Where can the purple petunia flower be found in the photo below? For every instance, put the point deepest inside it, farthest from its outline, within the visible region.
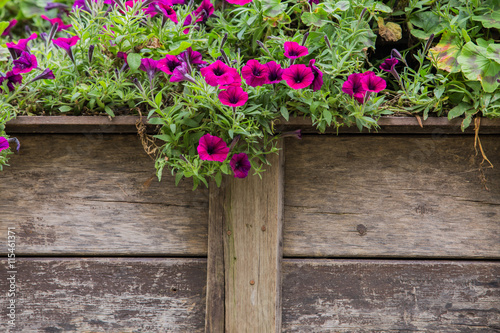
(389, 64)
(25, 63)
(57, 20)
(45, 75)
(294, 50)
(240, 165)
(254, 73)
(293, 134)
(205, 9)
(12, 23)
(212, 148)
(169, 63)
(354, 87)
(298, 76)
(218, 73)
(166, 10)
(372, 82)
(182, 73)
(275, 74)
(318, 76)
(66, 44)
(11, 80)
(233, 96)
(4, 143)
(191, 57)
(22, 45)
(56, 5)
(151, 67)
(80, 4)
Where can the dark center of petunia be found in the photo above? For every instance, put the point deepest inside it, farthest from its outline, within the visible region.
(256, 71)
(273, 76)
(357, 87)
(172, 65)
(233, 99)
(210, 150)
(218, 71)
(298, 78)
(237, 165)
(293, 53)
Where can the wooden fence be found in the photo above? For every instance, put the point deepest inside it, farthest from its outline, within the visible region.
(351, 233)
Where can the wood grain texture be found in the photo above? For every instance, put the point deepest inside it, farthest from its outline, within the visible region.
(252, 251)
(390, 296)
(107, 295)
(391, 196)
(215, 309)
(88, 195)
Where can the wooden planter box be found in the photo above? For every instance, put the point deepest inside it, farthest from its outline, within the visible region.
(388, 231)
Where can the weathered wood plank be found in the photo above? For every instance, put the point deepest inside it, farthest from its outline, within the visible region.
(391, 196)
(107, 295)
(215, 309)
(89, 194)
(252, 250)
(390, 296)
(126, 124)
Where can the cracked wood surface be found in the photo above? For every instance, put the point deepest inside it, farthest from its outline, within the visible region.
(367, 296)
(391, 196)
(107, 295)
(90, 195)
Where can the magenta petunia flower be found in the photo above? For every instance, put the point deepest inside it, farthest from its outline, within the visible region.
(372, 82)
(298, 76)
(236, 82)
(240, 165)
(25, 63)
(166, 10)
(187, 21)
(12, 23)
(169, 63)
(294, 50)
(205, 9)
(182, 73)
(57, 20)
(45, 75)
(218, 73)
(66, 44)
(389, 64)
(12, 79)
(212, 148)
(22, 45)
(4, 143)
(254, 73)
(354, 87)
(239, 2)
(318, 76)
(275, 74)
(233, 96)
(80, 4)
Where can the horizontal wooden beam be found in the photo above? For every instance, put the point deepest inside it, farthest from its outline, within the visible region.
(127, 124)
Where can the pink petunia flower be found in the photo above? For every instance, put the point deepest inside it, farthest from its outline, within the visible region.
(12, 23)
(4, 143)
(372, 82)
(212, 148)
(298, 76)
(254, 73)
(205, 9)
(236, 79)
(354, 87)
(25, 63)
(22, 45)
(218, 73)
(191, 57)
(57, 20)
(389, 64)
(169, 63)
(294, 50)
(318, 76)
(12, 79)
(275, 74)
(233, 96)
(182, 73)
(47, 74)
(239, 2)
(240, 165)
(66, 44)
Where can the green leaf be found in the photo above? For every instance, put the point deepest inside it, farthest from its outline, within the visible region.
(178, 177)
(493, 52)
(380, 7)
(284, 112)
(158, 98)
(476, 66)
(156, 121)
(177, 48)
(273, 8)
(317, 18)
(458, 110)
(429, 22)
(447, 51)
(3, 26)
(3, 3)
(65, 108)
(489, 20)
(134, 61)
(109, 111)
(218, 178)
(328, 117)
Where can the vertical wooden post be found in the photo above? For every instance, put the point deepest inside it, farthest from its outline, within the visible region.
(245, 252)
(253, 251)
